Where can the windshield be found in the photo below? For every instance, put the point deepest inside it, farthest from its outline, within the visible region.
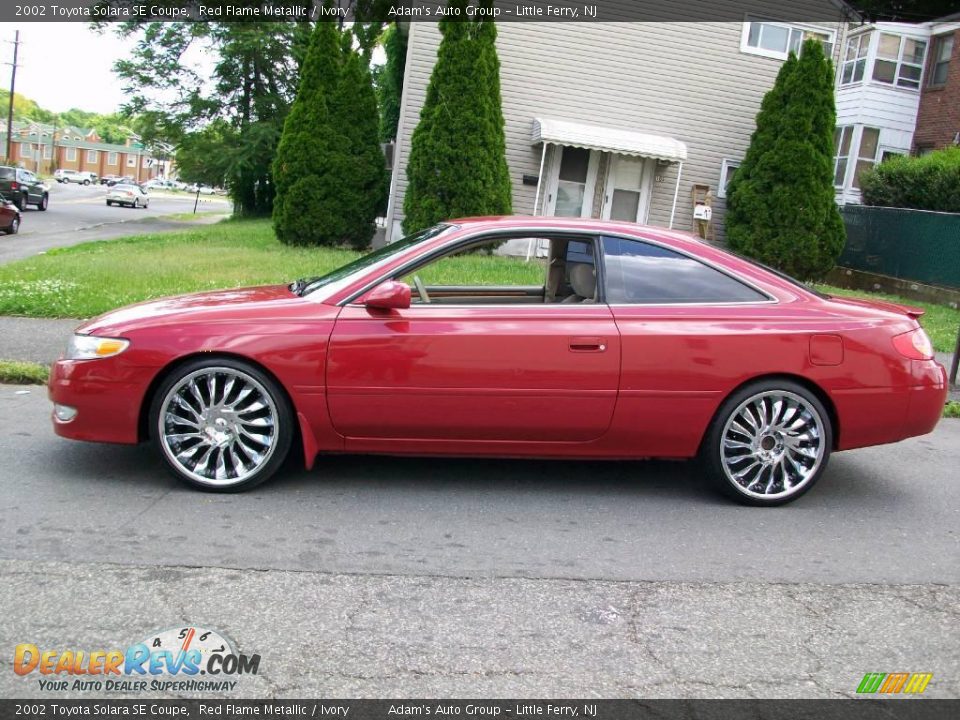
(370, 259)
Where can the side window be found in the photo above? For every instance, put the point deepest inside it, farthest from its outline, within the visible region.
(495, 271)
(642, 273)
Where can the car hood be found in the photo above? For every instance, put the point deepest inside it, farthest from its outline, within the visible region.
(222, 304)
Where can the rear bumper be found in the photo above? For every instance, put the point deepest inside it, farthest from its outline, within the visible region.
(874, 416)
(926, 398)
(106, 398)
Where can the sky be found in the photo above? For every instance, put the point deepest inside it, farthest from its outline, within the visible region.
(67, 65)
(64, 65)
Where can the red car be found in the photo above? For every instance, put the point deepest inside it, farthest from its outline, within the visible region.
(510, 337)
(9, 217)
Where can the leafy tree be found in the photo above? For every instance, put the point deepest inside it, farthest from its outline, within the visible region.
(781, 207)
(929, 182)
(457, 163)
(253, 81)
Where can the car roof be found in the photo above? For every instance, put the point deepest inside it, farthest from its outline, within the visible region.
(589, 225)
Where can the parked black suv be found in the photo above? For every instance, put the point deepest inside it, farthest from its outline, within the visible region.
(22, 188)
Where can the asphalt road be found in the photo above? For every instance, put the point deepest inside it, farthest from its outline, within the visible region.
(79, 213)
(407, 577)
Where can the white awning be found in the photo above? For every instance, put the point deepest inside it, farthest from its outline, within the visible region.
(615, 140)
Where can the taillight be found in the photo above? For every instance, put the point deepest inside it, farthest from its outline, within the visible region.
(13, 186)
(914, 345)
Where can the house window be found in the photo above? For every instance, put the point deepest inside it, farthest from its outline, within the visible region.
(899, 61)
(71, 154)
(778, 40)
(887, 154)
(26, 150)
(47, 152)
(112, 159)
(131, 160)
(841, 138)
(942, 50)
(867, 156)
(91, 156)
(855, 59)
(727, 171)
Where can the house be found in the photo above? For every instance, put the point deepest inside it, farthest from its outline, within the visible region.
(938, 120)
(898, 93)
(632, 121)
(43, 148)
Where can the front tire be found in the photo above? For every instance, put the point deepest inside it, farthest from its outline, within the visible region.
(14, 227)
(44, 202)
(86, 182)
(768, 444)
(221, 425)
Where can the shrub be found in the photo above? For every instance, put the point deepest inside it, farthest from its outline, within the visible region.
(929, 182)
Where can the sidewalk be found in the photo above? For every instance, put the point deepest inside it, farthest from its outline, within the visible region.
(42, 340)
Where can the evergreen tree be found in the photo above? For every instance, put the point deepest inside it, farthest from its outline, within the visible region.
(457, 163)
(364, 181)
(330, 177)
(390, 86)
(781, 207)
(306, 209)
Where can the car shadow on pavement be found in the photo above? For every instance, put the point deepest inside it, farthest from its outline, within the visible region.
(845, 483)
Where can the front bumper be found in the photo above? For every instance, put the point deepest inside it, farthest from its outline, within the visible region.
(106, 395)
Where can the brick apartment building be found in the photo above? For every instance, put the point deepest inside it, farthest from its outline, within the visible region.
(42, 149)
(938, 119)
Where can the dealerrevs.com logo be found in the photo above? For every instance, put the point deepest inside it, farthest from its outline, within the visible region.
(189, 659)
(894, 683)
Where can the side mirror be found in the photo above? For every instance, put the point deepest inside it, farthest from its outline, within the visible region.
(391, 295)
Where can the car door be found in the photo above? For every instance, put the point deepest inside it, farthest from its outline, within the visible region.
(509, 370)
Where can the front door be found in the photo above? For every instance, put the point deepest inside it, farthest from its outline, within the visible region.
(573, 183)
(491, 349)
(629, 182)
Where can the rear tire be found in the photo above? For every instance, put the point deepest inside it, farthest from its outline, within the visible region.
(86, 182)
(221, 425)
(109, 203)
(768, 444)
(21, 202)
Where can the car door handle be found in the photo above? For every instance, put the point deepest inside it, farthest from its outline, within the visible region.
(588, 344)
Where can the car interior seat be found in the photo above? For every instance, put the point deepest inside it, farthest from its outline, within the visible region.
(583, 281)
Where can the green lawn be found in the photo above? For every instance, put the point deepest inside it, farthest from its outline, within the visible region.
(14, 372)
(88, 279)
(92, 278)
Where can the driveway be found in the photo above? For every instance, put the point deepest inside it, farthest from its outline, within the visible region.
(463, 578)
(79, 213)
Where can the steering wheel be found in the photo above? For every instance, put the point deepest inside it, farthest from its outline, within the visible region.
(424, 298)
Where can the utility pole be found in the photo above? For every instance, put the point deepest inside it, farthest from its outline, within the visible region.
(13, 84)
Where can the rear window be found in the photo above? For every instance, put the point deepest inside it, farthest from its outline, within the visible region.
(7, 173)
(642, 273)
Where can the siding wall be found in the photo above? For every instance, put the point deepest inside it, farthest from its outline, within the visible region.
(686, 80)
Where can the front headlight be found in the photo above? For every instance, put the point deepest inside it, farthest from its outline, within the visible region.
(89, 347)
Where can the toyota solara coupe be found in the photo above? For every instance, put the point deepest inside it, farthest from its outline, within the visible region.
(510, 337)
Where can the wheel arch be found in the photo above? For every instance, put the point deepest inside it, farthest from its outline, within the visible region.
(143, 418)
(805, 382)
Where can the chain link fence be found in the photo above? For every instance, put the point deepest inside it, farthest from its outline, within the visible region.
(913, 245)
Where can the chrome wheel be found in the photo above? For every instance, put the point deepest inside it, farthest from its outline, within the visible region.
(772, 445)
(218, 426)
